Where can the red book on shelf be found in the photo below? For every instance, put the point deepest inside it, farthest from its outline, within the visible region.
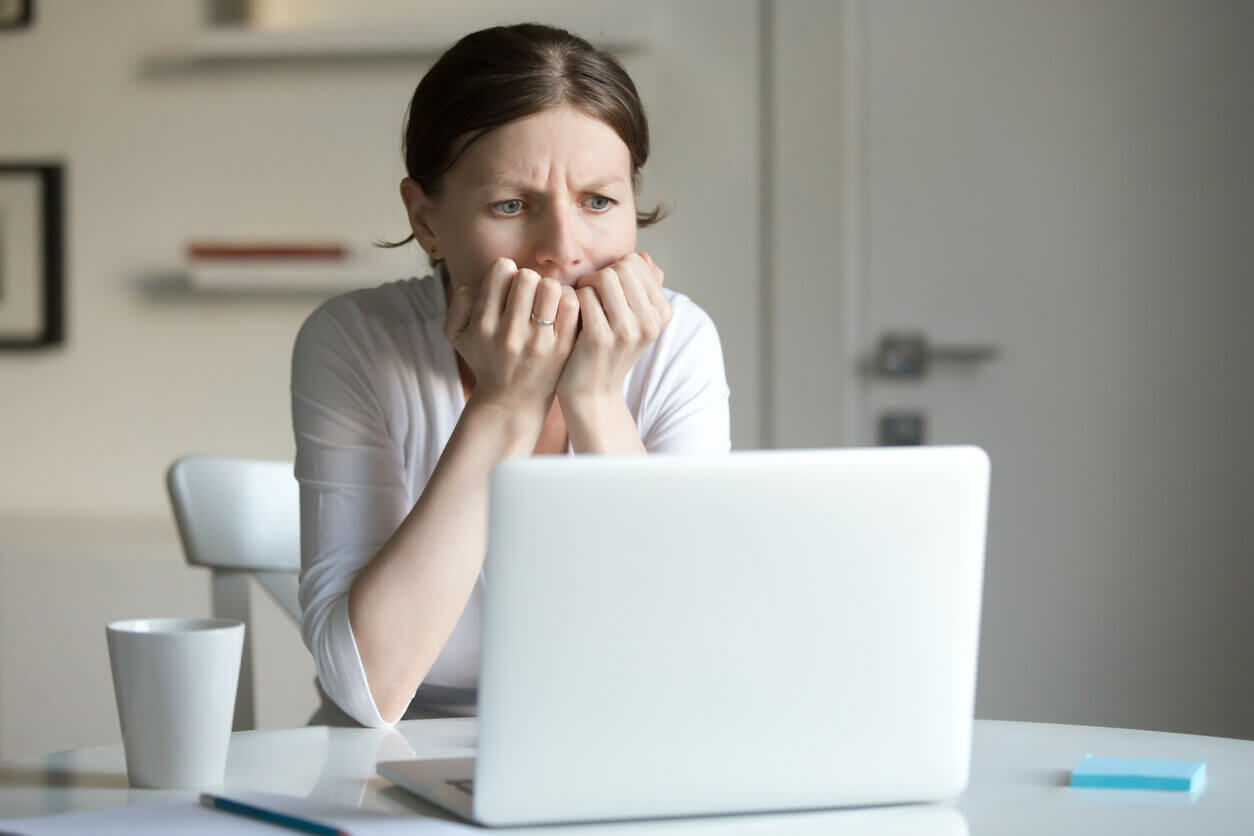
(212, 250)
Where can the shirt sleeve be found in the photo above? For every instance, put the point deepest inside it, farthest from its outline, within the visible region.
(352, 491)
(684, 407)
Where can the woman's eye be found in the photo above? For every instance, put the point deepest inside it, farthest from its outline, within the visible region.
(508, 207)
(599, 203)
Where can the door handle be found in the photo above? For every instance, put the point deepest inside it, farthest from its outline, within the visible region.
(911, 355)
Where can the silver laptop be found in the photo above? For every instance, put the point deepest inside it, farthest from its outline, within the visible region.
(684, 635)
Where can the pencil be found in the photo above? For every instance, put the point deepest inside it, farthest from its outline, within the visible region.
(239, 808)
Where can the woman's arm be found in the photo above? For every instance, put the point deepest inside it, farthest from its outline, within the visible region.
(405, 603)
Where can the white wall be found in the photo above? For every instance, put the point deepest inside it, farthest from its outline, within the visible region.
(810, 238)
(89, 428)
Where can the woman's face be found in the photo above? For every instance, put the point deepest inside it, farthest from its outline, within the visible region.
(551, 191)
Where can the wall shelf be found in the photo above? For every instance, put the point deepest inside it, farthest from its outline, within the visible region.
(623, 31)
(227, 268)
(176, 286)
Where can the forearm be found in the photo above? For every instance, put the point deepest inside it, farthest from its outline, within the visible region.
(406, 602)
(602, 425)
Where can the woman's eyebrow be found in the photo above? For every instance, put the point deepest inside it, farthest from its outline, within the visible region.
(602, 183)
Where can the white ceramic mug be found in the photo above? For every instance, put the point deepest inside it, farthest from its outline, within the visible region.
(175, 681)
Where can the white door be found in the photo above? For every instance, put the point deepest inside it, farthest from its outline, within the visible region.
(1070, 182)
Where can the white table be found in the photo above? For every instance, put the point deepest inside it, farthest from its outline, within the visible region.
(1018, 782)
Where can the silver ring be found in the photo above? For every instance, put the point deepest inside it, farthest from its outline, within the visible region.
(538, 321)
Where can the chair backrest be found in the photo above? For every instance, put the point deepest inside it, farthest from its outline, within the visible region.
(240, 518)
(237, 513)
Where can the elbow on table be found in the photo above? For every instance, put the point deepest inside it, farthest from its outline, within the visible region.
(341, 674)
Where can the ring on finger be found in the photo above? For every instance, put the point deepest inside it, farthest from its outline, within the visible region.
(538, 321)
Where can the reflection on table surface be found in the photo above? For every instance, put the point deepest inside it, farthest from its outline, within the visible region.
(335, 764)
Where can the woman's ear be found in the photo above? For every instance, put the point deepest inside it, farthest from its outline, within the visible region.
(418, 208)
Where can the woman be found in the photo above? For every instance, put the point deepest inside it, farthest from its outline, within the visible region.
(542, 330)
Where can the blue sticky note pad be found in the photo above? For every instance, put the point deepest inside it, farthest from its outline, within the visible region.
(1139, 774)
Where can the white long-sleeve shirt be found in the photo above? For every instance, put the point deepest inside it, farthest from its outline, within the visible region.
(376, 395)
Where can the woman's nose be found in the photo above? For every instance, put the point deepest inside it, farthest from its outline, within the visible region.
(557, 246)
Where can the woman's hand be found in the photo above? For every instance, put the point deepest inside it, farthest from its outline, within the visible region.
(515, 359)
(623, 311)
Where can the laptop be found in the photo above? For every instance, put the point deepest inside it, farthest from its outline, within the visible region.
(698, 635)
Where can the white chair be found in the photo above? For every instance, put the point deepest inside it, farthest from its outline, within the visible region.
(240, 517)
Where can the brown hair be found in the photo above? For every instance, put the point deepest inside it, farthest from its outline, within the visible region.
(494, 76)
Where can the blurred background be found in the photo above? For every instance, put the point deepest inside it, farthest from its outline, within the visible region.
(1020, 224)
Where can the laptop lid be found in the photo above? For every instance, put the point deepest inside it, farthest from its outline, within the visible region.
(768, 630)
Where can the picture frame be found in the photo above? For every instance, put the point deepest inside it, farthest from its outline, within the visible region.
(16, 14)
(31, 255)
